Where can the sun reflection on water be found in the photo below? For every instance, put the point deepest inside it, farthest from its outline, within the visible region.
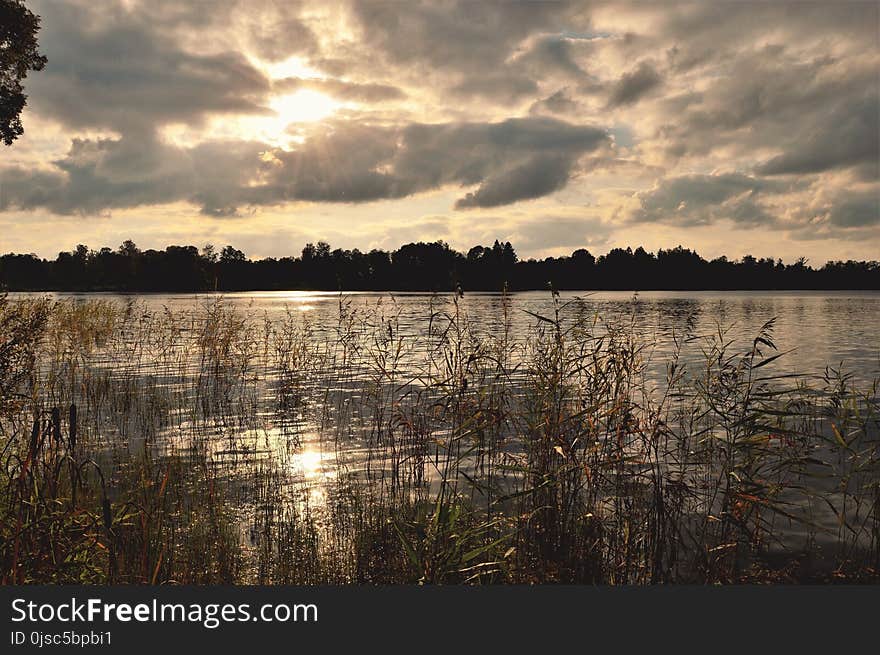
(311, 463)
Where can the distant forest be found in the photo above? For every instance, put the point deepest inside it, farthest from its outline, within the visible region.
(415, 267)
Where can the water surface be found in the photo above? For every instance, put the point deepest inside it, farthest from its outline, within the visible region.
(815, 328)
(325, 385)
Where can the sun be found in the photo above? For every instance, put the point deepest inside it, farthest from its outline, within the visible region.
(303, 106)
(278, 127)
(283, 112)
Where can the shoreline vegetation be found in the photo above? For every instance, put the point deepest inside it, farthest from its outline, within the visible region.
(417, 267)
(154, 447)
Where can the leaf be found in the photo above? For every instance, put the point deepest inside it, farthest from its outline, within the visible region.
(540, 318)
(476, 552)
(838, 437)
(407, 546)
(764, 362)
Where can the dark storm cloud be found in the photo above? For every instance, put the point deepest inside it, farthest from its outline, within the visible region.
(552, 54)
(699, 34)
(817, 112)
(501, 88)
(492, 153)
(274, 30)
(23, 188)
(634, 85)
(856, 210)
(510, 160)
(339, 166)
(847, 136)
(495, 51)
(115, 71)
(103, 174)
(533, 178)
(560, 102)
(788, 91)
(704, 199)
(460, 36)
(353, 163)
(850, 214)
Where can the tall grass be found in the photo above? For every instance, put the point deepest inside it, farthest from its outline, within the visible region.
(220, 445)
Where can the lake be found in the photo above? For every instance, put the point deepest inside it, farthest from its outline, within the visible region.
(816, 328)
(411, 395)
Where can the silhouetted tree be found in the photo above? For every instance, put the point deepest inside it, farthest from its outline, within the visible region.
(417, 267)
(209, 253)
(18, 56)
(425, 267)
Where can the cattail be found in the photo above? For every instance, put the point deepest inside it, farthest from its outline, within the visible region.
(56, 425)
(35, 439)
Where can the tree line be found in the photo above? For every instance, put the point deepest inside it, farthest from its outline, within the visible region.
(415, 267)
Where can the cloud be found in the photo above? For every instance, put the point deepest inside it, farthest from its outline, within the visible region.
(104, 174)
(498, 52)
(560, 102)
(847, 136)
(634, 85)
(356, 163)
(552, 54)
(279, 33)
(812, 113)
(533, 178)
(460, 36)
(120, 73)
(340, 89)
(548, 232)
(465, 105)
(502, 87)
(704, 199)
(349, 163)
(857, 210)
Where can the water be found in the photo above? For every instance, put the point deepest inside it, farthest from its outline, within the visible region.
(815, 328)
(316, 382)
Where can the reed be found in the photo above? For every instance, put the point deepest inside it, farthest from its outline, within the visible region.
(219, 445)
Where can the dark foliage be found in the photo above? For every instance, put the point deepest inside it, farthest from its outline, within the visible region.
(416, 267)
(18, 55)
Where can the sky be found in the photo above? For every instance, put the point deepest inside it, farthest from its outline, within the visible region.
(730, 128)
